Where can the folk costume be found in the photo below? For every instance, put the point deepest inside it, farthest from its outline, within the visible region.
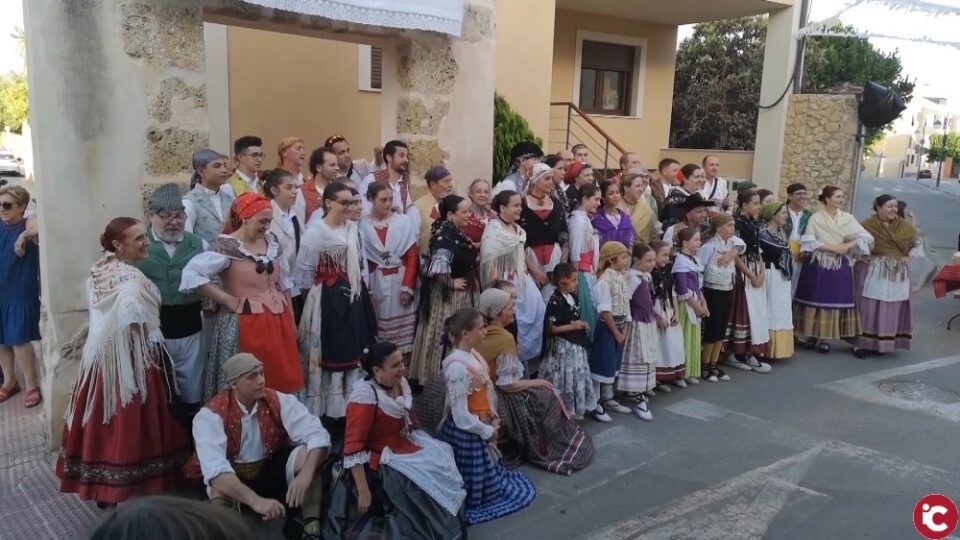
(642, 217)
(718, 285)
(638, 372)
(611, 295)
(207, 211)
(671, 358)
(429, 212)
(452, 256)
(615, 227)
(585, 254)
(545, 223)
(477, 222)
(749, 329)
(882, 285)
(119, 439)
(492, 490)
(687, 275)
(417, 491)
(390, 255)
(329, 267)
(566, 356)
(778, 260)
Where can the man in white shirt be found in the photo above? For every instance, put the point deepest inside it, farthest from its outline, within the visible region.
(396, 175)
(259, 447)
(794, 228)
(354, 169)
(715, 189)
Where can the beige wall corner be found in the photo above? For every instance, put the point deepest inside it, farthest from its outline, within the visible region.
(779, 58)
(118, 99)
(217, 49)
(819, 147)
(524, 59)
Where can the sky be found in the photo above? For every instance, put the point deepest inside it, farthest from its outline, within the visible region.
(933, 66)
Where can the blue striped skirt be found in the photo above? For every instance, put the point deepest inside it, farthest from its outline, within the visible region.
(492, 490)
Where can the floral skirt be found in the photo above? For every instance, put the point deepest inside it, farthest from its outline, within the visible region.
(140, 451)
(567, 366)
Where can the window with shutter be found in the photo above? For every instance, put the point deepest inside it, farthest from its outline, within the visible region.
(607, 75)
(376, 68)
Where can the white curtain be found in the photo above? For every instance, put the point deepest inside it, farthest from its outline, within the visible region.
(443, 16)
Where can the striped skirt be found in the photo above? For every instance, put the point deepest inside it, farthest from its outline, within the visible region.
(638, 372)
(492, 490)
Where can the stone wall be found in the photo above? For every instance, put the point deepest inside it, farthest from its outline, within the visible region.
(819, 146)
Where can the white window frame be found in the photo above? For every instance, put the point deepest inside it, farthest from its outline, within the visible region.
(639, 69)
(363, 72)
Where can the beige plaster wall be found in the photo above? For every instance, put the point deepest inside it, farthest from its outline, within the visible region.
(287, 84)
(819, 147)
(646, 134)
(733, 163)
(524, 59)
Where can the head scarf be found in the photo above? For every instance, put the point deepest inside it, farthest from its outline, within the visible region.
(201, 158)
(770, 209)
(239, 365)
(285, 143)
(720, 220)
(436, 173)
(539, 170)
(573, 171)
(608, 252)
(250, 204)
(492, 302)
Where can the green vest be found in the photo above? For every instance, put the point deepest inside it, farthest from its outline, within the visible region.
(165, 271)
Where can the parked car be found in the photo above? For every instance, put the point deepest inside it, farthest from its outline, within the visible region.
(925, 173)
(10, 165)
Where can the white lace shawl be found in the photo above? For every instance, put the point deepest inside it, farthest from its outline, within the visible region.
(123, 338)
(341, 244)
(400, 237)
(502, 253)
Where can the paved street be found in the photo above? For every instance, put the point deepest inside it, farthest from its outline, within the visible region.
(826, 446)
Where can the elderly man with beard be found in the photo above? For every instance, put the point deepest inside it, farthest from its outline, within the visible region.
(171, 247)
(440, 183)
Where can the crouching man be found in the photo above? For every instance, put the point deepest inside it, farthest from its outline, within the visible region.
(259, 447)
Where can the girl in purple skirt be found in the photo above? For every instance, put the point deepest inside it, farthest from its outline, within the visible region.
(824, 306)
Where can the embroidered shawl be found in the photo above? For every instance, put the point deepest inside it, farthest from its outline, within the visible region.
(340, 245)
(400, 237)
(502, 253)
(894, 239)
(837, 229)
(124, 338)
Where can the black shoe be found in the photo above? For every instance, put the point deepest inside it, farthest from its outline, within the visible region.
(823, 347)
(859, 353)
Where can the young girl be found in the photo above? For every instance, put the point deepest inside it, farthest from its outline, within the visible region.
(612, 223)
(613, 304)
(749, 327)
(687, 275)
(585, 250)
(638, 374)
(718, 255)
(566, 360)
(470, 426)
(671, 360)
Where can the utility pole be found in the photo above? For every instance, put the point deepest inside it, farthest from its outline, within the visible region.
(923, 134)
(943, 142)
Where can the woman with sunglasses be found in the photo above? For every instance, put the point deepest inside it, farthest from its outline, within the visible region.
(338, 320)
(247, 275)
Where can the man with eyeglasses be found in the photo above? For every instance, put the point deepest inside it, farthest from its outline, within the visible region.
(248, 155)
(181, 323)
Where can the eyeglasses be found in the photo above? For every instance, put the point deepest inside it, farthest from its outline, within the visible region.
(6, 206)
(256, 155)
(265, 267)
(345, 202)
(168, 217)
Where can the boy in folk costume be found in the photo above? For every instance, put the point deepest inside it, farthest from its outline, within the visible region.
(612, 301)
(259, 447)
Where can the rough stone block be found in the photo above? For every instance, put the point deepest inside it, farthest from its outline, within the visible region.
(415, 116)
(477, 23)
(170, 150)
(175, 88)
(427, 65)
(425, 154)
(168, 33)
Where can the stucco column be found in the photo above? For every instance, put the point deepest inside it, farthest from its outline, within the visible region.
(779, 58)
(438, 96)
(117, 107)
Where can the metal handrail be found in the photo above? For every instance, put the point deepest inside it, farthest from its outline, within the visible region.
(590, 121)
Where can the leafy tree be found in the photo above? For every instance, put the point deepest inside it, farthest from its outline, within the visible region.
(719, 69)
(509, 128)
(14, 102)
(943, 146)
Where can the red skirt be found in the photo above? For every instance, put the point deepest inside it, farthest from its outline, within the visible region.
(272, 338)
(140, 452)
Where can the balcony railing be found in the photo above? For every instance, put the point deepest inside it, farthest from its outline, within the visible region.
(570, 126)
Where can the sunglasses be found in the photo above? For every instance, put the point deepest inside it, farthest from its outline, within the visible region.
(265, 267)
(6, 205)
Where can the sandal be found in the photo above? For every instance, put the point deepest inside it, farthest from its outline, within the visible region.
(7, 393)
(33, 398)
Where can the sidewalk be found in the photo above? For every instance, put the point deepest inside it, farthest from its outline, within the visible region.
(948, 186)
(31, 505)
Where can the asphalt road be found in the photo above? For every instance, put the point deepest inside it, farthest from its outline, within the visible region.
(825, 446)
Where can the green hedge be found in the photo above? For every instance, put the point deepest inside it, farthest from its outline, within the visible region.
(509, 128)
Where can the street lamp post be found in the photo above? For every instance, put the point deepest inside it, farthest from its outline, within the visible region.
(923, 135)
(943, 142)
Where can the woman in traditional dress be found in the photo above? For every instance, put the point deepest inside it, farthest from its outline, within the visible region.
(585, 251)
(638, 372)
(471, 426)
(338, 319)
(397, 481)
(288, 223)
(687, 276)
(823, 306)
(19, 296)
(535, 426)
(882, 281)
(119, 438)
(749, 329)
(502, 256)
(450, 284)
(778, 260)
(634, 202)
(559, 168)
(671, 358)
(578, 176)
(692, 179)
(480, 212)
(612, 223)
(545, 222)
(390, 254)
(255, 312)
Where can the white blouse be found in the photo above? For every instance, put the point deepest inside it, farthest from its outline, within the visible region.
(207, 265)
(460, 386)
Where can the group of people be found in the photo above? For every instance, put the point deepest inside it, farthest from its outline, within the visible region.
(288, 337)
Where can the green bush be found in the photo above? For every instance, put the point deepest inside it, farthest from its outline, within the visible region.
(509, 128)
